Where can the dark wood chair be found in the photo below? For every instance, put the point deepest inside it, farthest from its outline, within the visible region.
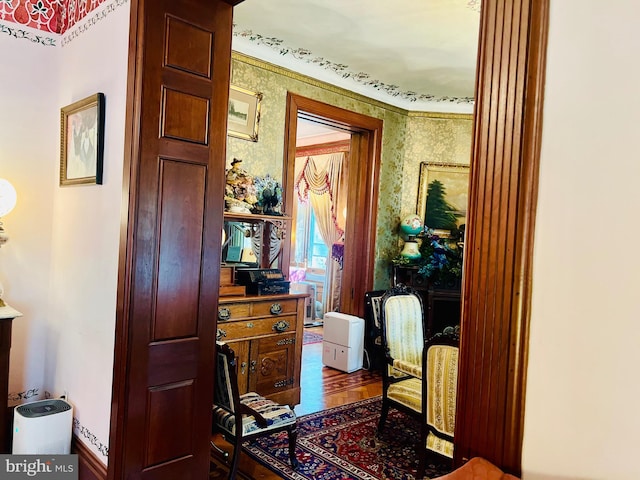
(373, 349)
(242, 417)
(402, 328)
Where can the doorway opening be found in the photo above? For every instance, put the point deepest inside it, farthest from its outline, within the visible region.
(347, 238)
(319, 215)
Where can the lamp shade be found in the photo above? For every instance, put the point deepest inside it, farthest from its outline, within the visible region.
(411, 225)
(8, 197)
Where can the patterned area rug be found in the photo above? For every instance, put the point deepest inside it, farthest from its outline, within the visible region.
(311, 337)
(340, 443)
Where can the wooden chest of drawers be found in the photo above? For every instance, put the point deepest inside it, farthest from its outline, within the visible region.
(266, 334)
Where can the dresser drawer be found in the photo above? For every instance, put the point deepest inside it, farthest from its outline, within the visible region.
(275, 307)
(233, 311)
(252, 328)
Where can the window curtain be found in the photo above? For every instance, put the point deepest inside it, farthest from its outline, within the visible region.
(319, 183)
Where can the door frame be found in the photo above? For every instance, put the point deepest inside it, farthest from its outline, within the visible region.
(364, 163)
(506, 149)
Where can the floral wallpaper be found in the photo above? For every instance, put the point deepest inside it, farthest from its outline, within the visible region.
(442, 140)
(408, 139)
(52, 16)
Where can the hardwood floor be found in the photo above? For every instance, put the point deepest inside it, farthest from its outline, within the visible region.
(322, 388)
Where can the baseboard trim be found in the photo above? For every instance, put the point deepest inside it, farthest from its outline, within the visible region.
(89, 466)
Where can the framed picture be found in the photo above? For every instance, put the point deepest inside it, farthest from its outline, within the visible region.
(244, 113)
(443, 194)
(82, 141)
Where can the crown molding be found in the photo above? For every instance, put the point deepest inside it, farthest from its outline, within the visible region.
(270, 67)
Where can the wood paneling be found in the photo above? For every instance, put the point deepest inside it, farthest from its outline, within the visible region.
(89, 466)
(180, 232)
(188, 47)
(497, 272)
(170, 250)
(165, 417)
(185, 117)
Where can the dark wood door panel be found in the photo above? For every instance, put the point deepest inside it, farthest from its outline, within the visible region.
(181, 201)
(188, 47)
(163, 388)
(184, 116)
(165, 415)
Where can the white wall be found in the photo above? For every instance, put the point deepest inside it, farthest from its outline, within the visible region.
(29, 147)
(85, 238)
(582, 419)
(60, 267)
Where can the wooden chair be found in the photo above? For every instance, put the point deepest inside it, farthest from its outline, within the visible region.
(439, 388)
(374, 356)
(242, 417)
(402, 321)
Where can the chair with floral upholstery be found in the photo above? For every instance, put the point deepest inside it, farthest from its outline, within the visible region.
(241, 417)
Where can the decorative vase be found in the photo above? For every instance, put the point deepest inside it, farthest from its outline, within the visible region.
(410, 250)
(411, 225)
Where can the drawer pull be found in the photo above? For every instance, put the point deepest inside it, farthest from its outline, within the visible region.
(286, 341)
(253, 366)
(220, 333)
(283, 383)
(250, 325)
(224, 313)
(281, 326)
(276, 309)
(243, 365)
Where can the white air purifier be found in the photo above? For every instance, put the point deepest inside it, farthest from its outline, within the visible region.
(343, 341)
(42, 427)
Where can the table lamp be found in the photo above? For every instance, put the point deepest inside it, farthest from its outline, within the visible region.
(411, 226)
(8, 199)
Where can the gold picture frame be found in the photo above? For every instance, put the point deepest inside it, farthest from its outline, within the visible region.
(244, 113)
(454, 178)
(82, 141)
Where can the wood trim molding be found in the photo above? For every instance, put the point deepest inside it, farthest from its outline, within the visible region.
(364, 172)
(89, 466)
(323, 148)
(500, 228)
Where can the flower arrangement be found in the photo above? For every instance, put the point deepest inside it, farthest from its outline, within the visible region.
(440, 258)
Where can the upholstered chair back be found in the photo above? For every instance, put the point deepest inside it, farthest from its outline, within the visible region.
(403, 329)
(440, 383)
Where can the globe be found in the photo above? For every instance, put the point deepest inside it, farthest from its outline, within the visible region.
(411, 225)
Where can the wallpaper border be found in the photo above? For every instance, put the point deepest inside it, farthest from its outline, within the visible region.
(27, 33)
(270, 67)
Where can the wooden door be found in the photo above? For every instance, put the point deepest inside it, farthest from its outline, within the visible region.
(170, 253)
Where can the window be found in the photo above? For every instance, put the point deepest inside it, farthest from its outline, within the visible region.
(309, 249)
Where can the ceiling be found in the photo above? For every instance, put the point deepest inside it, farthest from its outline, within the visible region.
(419, 55)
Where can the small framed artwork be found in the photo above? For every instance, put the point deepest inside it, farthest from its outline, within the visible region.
(82, 141)
(244, 113)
